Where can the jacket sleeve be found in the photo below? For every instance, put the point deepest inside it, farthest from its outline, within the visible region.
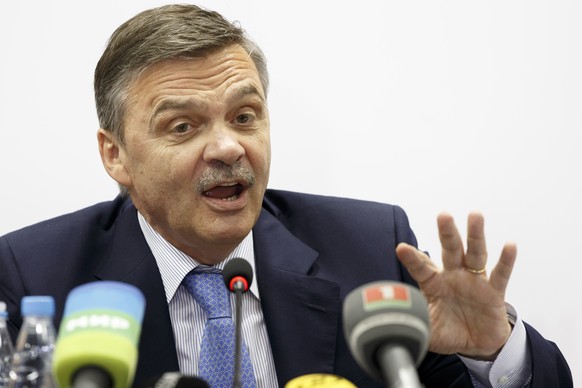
(11, 286)
(550, 368)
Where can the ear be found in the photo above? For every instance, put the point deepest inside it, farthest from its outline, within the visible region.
(112, 156)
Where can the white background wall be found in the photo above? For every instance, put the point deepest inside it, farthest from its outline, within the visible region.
(430, 105)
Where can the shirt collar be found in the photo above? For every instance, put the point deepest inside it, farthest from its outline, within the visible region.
(174, 264)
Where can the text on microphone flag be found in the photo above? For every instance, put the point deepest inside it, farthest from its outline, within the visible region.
(104, 321)
(386, 295)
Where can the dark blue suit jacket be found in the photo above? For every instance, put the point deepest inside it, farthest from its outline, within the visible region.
(310, 252)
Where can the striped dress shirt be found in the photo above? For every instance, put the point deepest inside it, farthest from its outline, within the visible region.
(188, 318)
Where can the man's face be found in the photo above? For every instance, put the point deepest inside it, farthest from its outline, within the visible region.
(197, 150)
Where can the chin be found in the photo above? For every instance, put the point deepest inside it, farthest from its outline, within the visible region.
(230, 235)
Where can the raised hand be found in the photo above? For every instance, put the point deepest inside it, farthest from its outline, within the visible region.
(466, 306)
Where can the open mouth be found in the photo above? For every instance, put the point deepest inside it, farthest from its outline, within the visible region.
(225, 192)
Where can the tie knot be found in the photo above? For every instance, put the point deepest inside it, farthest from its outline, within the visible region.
(210, 293)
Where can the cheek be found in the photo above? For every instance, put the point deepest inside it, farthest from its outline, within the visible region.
(260, 164)
(161, 167)
(260, 154)
(267, 164)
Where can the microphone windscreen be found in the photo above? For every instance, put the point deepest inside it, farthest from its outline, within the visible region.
(176, 380)
(385, 312)
(190, 382)
(100, 328)
(237, 267)
(319, 380)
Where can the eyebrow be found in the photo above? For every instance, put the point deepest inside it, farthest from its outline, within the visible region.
(192, 104)
(173, 104)
(244, 91)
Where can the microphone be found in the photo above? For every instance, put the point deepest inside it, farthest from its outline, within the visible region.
(97, 342)
(386, 326)
(319, 380)
(176, 380)
(238, 276)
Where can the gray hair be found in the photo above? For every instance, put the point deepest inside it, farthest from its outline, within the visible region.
(168, 32)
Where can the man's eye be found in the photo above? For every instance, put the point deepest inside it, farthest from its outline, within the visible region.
(182, 128)
(243, 118)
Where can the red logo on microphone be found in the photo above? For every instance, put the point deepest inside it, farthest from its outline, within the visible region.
(386, 295)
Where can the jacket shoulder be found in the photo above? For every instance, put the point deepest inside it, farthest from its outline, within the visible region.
(71, 243)
(101, 215)
(288, 204)
(335, 223)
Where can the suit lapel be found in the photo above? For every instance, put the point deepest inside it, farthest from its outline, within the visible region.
(301, 310)
(131, 261)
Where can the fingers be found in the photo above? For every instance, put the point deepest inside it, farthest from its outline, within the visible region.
(451, 242)
(476, 257)
(422, 268)
(453, 254)
(416, 262)
(501, 273)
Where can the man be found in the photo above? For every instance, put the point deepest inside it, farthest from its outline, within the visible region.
(182, 102)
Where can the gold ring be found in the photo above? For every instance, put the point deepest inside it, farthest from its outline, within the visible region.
(475, 271)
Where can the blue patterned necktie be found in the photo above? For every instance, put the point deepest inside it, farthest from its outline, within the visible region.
(216, 364)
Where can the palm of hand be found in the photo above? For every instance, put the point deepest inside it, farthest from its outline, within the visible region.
(467, 315)
(467, 310)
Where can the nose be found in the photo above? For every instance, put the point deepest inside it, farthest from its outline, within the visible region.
(223, 145)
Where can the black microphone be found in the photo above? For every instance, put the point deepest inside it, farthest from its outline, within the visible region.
(238, 276)
(175, 380)
(387, 329)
